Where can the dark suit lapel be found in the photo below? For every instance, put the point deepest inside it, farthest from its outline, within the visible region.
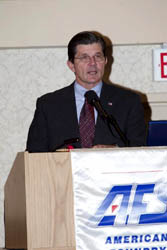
(106, 97)
(71, 112)
(102, 132)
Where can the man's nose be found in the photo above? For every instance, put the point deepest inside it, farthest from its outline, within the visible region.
(92, 60)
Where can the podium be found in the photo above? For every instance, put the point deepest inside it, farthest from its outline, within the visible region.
(39, 202)
(88, 199)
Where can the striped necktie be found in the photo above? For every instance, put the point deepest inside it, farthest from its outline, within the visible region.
(87, 125)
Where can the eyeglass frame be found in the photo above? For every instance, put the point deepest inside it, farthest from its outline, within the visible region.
(87, 58)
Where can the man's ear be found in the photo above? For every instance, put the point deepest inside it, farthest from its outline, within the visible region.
(71, 66)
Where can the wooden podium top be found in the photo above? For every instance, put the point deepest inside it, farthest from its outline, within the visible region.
(10, 249)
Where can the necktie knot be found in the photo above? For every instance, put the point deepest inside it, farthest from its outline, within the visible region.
(87, 125)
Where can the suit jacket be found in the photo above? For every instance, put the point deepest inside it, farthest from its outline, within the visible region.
(55, 119)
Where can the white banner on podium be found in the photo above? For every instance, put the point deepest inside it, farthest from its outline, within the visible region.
(120, 199)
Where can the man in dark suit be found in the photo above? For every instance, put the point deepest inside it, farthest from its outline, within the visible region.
(57, 116)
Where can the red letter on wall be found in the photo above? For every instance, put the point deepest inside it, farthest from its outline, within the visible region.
(163, 64)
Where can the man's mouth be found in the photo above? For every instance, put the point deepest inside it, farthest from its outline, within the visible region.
(92, 72)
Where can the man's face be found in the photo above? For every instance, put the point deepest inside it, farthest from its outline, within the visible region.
(89, 64)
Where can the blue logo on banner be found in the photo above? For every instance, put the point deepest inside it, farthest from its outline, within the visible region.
(133, 204)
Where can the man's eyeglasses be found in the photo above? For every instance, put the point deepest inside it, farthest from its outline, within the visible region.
(87, 59)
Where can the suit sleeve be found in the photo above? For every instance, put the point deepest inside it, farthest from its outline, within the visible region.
(38, 135)
(136, 129)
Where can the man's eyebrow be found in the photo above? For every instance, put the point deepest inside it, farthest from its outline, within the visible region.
(97, 53)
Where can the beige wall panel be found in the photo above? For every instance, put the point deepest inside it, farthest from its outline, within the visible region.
(53, 22)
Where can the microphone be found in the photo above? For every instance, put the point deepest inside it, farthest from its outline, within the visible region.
(94, 100)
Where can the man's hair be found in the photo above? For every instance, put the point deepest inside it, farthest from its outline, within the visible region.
(85, 37)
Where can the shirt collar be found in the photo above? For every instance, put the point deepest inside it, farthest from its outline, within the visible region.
(80, 90)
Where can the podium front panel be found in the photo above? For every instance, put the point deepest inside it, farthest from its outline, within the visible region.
(49, 198)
